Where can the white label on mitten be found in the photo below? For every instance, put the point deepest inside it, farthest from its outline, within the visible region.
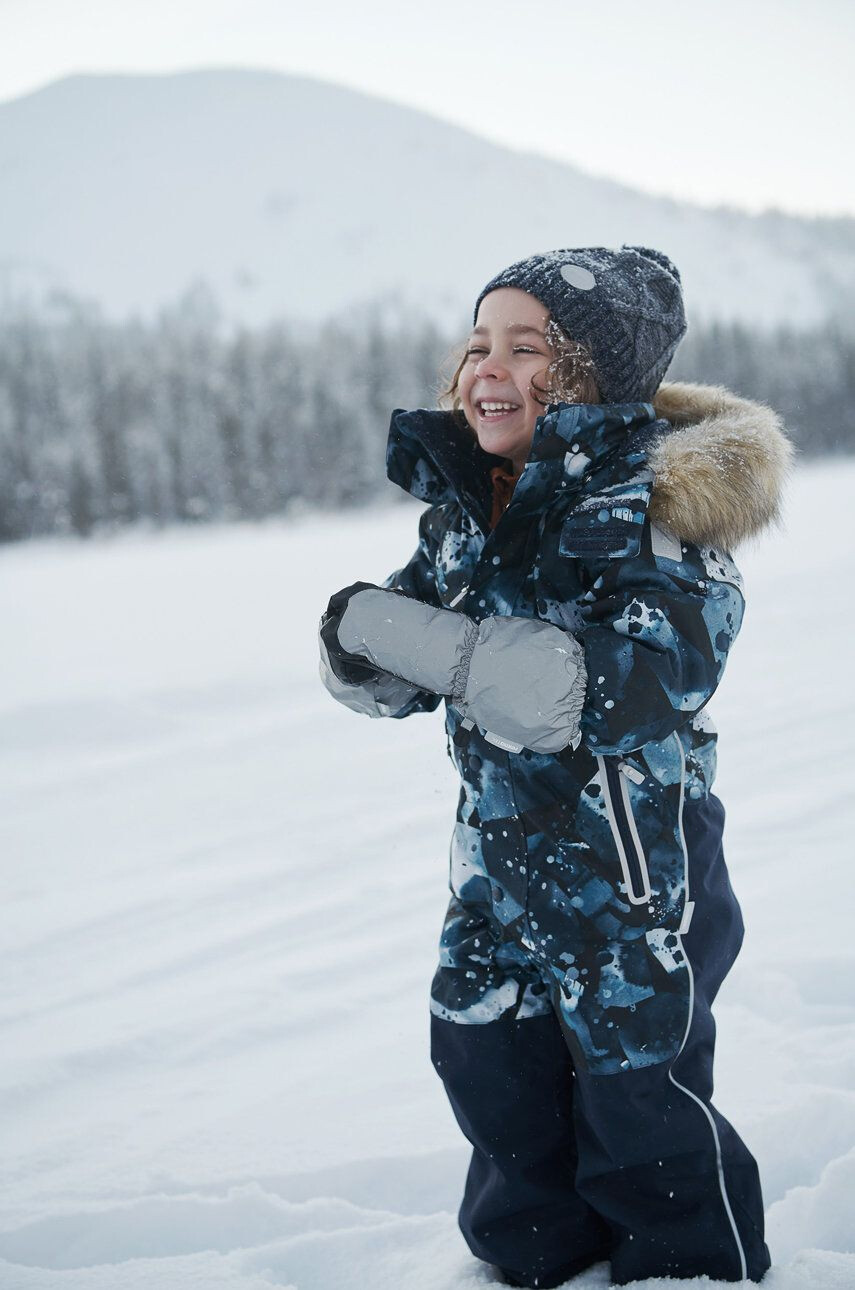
(507, 744)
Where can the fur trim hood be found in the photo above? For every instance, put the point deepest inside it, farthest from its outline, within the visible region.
(720, 472)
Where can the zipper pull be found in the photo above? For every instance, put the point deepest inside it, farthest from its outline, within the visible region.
(631, 772)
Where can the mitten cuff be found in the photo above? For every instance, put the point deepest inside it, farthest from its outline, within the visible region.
(427, 646)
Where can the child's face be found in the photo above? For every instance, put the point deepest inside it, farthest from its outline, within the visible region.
(501, 360)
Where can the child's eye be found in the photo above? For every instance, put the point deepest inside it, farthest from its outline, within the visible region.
(518, 349)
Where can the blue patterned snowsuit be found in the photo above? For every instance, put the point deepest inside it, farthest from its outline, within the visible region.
(591, 919)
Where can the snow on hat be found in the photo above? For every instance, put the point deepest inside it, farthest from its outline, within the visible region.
(626, 305)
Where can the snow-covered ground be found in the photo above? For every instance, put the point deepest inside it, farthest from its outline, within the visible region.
(223, 894)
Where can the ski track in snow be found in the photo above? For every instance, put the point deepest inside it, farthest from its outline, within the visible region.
(223, 896)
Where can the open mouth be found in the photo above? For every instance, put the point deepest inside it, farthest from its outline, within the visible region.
(490, 410)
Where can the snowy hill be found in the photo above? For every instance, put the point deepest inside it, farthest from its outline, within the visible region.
(223, 897)
(294, 196)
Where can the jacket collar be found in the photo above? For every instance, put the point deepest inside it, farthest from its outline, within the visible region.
(431, 456)
(713, 465)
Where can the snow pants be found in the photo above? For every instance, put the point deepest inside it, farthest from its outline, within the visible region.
(569, 1168)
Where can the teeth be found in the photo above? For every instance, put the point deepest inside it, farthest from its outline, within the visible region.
(497, 407)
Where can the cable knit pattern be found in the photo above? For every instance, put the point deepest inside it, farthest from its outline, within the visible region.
(627, 308)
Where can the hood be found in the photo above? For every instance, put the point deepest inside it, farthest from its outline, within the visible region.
(719, 474)
(714, 464)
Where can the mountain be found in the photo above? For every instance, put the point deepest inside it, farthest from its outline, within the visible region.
(294, 197)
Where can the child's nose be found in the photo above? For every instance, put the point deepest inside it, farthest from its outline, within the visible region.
(490, 366)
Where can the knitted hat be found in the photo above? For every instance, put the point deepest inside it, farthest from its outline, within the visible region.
(626, 305)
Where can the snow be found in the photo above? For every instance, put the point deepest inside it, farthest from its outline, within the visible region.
(223, 897)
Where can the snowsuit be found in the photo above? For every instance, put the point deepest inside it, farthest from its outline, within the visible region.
(591, 919)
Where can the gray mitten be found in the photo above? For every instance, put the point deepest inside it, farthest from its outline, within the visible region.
(522, 681)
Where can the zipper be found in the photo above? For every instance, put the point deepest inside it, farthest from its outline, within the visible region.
(613, 776)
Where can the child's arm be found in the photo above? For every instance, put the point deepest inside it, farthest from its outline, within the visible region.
(658, 630)
(360, 685)
(651, 651)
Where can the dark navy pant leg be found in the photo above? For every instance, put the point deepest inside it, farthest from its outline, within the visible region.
(662, 1167)
(510, 1084)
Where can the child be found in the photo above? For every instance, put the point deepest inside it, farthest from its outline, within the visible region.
(573, 599)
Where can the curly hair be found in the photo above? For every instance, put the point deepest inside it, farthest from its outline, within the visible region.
(571, 375)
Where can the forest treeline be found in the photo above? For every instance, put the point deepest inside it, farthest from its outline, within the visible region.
(107, 423)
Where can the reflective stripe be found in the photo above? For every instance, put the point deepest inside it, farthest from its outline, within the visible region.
(689, 906)
(624, 830)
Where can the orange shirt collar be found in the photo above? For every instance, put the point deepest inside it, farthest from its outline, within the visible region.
(503, 487)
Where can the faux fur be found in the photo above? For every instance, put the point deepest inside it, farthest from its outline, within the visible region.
(720, 474)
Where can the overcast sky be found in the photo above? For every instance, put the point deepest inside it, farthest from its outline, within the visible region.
(744, 102)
